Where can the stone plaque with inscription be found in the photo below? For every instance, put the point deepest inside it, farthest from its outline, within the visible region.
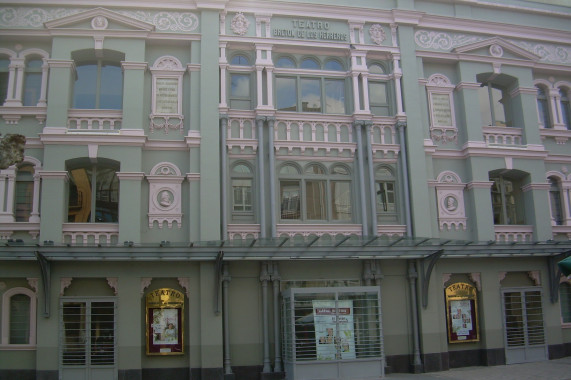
(166, 93)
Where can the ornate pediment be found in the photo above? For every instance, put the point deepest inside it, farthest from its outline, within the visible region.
(498, 48)
(99, 19)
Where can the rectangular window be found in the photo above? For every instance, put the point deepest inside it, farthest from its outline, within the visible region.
(20, 319)
(290, 200)
(565, 302)
(23, 201)
(88, 337)
(242, 195)
(286, 94)
(316, 200)
(310, 95)
(335, 96)
(378, 99)
(240, 95)
(341, 200)
(32, 88)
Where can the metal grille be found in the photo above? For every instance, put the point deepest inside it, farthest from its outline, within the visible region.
(524, 319)
(20, 319)
(88, 333)
(331, 324)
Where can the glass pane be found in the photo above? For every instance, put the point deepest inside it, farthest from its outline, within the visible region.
(311, 95)
(34, 64)
(79, 204)
(542, 108)
(316, 200)
(376, 69)
(242, 191)
(377, 93)
(514, 319)
(107, 196)
(286, 94)
(565, 302)
(23, 200)
(306, 340)
(20, 319)
(565, 109)
(534, 317)
(102, 333)
(309, 63)
(314, 169)
(499, 113)
(85, 87)
(32, 88)
(333, 65)
(240, 60)
(335, 96)
(111, 87)
(386, 197)
(289, 199)
(339, 170)
(289, 170)
(243, 169)
(240, 85)
(341, 200)
(285, 63)
(74, 333)
(3, 87)
(366, 325)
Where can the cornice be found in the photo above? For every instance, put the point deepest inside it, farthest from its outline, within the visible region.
(171, 145)
(479, 185)
(130, 176)
(535, 186)
(59, 136)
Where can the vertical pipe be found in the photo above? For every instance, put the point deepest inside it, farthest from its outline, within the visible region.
(372, 193)
(271, 161)
(261, 182)
(412, 276)
(277, 349)
(361, 178)
(225, 297)
(224, 175)
(404, 165)
(264, 277)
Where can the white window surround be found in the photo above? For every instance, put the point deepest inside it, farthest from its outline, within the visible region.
(450, 201)
(167, 73)
(165, 198)
(554, 101)
(7, 191)
(565, 189)
(441, 109)
(5, 345)
(12, 109)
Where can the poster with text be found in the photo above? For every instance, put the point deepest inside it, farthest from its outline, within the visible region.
(461, 317)
(334, 329)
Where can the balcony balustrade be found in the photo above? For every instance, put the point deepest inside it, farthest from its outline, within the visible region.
(513, 233)
(94, 120)
(90, 233)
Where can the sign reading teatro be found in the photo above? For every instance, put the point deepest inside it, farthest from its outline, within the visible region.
(310, 29)
(164, 316)
(462, 313)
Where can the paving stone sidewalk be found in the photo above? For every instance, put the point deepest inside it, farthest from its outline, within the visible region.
(559, 369)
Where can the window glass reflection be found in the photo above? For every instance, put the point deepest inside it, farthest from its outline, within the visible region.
(286, 94)
(310, 95)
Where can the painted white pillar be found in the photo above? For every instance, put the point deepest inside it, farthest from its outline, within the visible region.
(260, 93)
(223, 96)
(366, 105)
(398, 91)
(10, 194)
(357, 101)
(42, 102)
(270, 78)
(2, 192)
(566, 189)
(35, 215)
(19, 82)
(11, 84)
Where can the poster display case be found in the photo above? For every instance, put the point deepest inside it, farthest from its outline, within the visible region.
(164, 322)
(462, 313)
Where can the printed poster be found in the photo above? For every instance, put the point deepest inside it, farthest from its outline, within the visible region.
(461, 317)
(334, 329)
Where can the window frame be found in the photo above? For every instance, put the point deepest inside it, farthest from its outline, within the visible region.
(17, 71)
(381, 77)
(6, 298)
(564, 283)
(244, 69)
(543, 107)
(239, 176)
(382, 180)
(499, 191)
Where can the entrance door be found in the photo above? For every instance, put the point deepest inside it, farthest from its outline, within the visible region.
(87, 340)
(523, 325)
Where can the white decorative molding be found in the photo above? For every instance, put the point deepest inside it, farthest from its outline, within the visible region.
(243, 231)
(441, 109)
(99, 23)
(450, 201)
(145, 282)
(476, 279)
(240, 24)
(445, 278)
(513, 233)
(184, 282)
(113, 283)
(65, 282)
(165, 197)
(90, 233)
(442, 41)
(377, 34)
(502, 276)
(548, 53)
(33, 282)
(535, 276)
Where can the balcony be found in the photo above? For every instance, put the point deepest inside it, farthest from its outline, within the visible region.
(94, 120)
(503, 136)
(513, 233)
(291, 230)
(90, 233)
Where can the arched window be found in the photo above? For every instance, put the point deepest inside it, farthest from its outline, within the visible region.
(385, 187)
(93, 192)
(240, 60)
(99, 80)
(334, 65)
(376, 68)
(285, 63)
(543, 107)
(310, 63)
(555, 201)
(19, 317)
(242, 197)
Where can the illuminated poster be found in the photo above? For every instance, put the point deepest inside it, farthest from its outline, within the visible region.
(462, 313)
(164, 314)
(334, 330)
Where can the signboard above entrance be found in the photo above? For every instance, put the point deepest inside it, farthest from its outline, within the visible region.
(310, 29)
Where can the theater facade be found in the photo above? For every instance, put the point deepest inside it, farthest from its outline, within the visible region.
(226, 189)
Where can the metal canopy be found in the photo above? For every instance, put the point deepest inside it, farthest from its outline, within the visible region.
(310, 247)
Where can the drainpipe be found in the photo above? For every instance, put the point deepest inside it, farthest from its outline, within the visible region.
(271, 161)
(277, 349)
(261, 182)
(225, 282)
(412, 276)
(401, 125)
(358, 125)
(224, 174)
(372, 193)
